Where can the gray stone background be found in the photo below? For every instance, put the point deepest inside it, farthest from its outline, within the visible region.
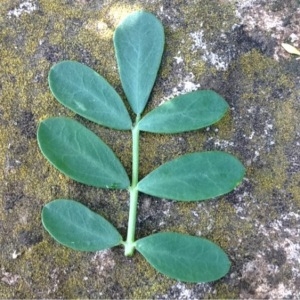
(232, 47)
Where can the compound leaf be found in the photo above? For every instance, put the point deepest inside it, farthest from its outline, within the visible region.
(191, 111)
(80, 154)
(183, 257)
(139, 43)
(193, 177)
(74, 225)
(88, 94)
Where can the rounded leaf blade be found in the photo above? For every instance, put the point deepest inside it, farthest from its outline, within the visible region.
(183, 257)
(88, 94)
(187, 112)
(75, 226)
(80, 154)
(139, 43)
(194, 177)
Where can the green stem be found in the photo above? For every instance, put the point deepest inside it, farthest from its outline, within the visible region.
(130, 241)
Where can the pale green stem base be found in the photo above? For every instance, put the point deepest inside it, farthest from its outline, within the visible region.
(130, 241)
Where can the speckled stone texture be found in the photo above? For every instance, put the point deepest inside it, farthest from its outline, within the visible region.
(232, 47)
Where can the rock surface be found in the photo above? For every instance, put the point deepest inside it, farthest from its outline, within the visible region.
(232, 47)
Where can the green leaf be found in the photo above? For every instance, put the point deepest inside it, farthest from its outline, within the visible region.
(80, 154)
(139, 43)
(191, 111)
(74, 225)
(193, 177)
(88, 94)
(183, 257)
